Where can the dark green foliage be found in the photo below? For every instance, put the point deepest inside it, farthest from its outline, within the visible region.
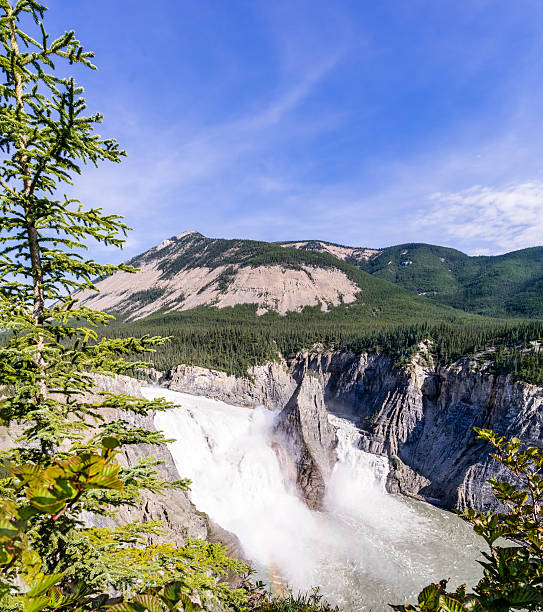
(143, 298)
(509, 285)
(234, 339)
(513, 575)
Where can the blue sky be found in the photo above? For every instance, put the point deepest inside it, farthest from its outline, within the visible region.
(363, 123)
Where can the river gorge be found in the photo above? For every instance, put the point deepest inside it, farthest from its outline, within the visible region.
(365, 548)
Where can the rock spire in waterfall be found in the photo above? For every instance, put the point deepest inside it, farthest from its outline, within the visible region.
(311, 439)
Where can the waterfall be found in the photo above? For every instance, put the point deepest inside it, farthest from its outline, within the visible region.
(368, 548)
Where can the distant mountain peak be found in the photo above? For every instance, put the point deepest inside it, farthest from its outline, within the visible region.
(187, 233)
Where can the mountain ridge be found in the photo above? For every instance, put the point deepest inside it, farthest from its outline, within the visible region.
(507, 285)
(190, 270)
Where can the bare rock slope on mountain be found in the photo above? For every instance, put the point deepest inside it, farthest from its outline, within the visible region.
(337, 250)
(190, 270)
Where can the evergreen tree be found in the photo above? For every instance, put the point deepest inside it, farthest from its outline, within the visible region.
(64, 460)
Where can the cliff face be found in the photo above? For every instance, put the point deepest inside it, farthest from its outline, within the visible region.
(309, 440)
(272, 385)
(179, 517)
(421, 416)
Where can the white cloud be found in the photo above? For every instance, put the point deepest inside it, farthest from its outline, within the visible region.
(497, 220)
(193, 177)
(256, 174)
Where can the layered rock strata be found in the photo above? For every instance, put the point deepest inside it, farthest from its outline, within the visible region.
(271, 385)
(309, 440)
(421, 415)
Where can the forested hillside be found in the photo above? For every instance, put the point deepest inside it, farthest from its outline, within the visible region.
(509, 285)
(234, 339)
(231, 304)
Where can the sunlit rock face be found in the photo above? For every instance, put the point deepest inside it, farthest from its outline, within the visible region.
(421, 416)
(309, 439)
(190, 270)
(270, 385)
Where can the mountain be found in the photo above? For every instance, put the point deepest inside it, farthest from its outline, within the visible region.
(190, 271)
(354, 255)
(509, 285)
(230, 305)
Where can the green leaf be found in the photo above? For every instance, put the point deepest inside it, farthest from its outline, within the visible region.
(105, 482)
(42, 584)
(110, 443)
(448, 604)
(149, 602)
(188, 604)
(44, 500)
(124, 606)
(7, 528)
(428, 595)
(524, 595)
(65, 488)
(56, 597)
(35, 604)
(173, 591)
(6, 555)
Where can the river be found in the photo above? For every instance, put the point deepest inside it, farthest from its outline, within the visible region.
(367, 549)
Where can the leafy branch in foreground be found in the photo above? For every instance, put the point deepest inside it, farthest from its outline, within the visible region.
(513, 575)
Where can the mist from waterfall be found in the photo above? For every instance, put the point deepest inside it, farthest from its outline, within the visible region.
(367, 549)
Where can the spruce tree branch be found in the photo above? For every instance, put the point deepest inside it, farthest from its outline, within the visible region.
(8, 189)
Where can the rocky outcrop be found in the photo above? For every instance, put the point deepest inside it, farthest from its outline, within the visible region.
(421, 416)
(179, 517)
(269, 385)
(309, 440)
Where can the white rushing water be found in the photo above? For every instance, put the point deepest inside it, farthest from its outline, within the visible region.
(367, 549)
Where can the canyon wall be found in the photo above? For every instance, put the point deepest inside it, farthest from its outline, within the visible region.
(421, 415)
(179, 517)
